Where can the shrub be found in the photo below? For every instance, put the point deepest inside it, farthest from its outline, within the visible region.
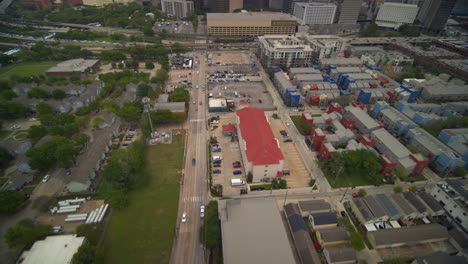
(362, 193)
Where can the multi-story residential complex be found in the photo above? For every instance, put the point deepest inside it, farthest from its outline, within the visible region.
(223, 6)
(284, 51)
(396, 60)
(348, 11)
(325, 46)
(260, 150)
(177, 8)
(315, 13)
(394, 15)
(453, 196)
(435, 13)
(249, 25)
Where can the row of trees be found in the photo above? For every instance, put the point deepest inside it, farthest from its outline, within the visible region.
(40, 93)
(372, 30)
(42, 52)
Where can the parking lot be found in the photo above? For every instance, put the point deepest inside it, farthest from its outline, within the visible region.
(253, 92)
(130, 136)
(299, 176)
(239, 62)
(177, 27)
(230, 152)
(179, 78)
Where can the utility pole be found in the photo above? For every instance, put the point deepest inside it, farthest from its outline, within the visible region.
(347, 188)
(285, 197)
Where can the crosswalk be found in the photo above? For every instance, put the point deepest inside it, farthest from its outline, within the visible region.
(192, 199)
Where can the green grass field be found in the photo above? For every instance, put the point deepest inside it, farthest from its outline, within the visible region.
(351, 180)
(26, 69)
(143, 232)
(303, 127)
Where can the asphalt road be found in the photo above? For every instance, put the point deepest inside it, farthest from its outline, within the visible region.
(194, 192)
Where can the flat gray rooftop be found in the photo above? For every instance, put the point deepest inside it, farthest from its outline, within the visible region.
(253, 232)
(251, 16)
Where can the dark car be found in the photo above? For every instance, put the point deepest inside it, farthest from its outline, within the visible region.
(287, 140)
(285, 172)
(343, 213)
(217, 165)
(237, 172)
(283, 132)
(193, 162)
(216, 171)
(216, 161)
(243, 191)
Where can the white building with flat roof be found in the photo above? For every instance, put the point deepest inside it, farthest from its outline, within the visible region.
(52, 250)
(326, 46)
(315, 13)
(394, 15)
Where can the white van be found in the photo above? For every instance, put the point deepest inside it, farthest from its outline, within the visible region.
(217, 158)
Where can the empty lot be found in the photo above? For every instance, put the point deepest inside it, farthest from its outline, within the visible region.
(254, 92)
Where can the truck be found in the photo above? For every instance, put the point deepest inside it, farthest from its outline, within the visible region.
(237, 182)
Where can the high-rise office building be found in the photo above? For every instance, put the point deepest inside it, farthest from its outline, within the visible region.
(256, 3)
(315, 13)
(435, 13)
(348, 11)
(177, 8)
(223, 6)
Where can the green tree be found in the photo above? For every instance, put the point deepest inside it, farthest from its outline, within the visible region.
(143, 90)
(80, 139)
(148, 31)
(160, 77)
(12, 110)
(362, 193)
(149, 65)
(356, 240)
(38, 93)
(249, 177)
(58, 94)
(5, 157)
(25, 235)
(371, 30)
(398, 189)
(8, 94)
(44, 109)
(96, 121)
(210, 231)
(410, 30)
(58, 150)
(92, 232)
(10, 201)
(279, 183)
(179, 95)
(178, 48)
(130, 111)
(460, 172)
(36, 132)
(88, 254)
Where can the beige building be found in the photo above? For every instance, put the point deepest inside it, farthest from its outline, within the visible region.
(105, 2)
(282, 50)
(223, 6)
(326, 46)
(249, 25)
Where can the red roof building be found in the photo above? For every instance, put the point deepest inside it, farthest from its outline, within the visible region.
(229, 130)
(260, 149)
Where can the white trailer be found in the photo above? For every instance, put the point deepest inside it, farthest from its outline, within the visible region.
(75, 219)
(99, 211)
(71, 210)
(63, 203)
(103, 213)
(69, 207)
(237, 182)
(90, 217)
(76, 215)
(76, 200)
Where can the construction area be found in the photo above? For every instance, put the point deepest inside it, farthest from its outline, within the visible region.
(238, 62)
(67, 215)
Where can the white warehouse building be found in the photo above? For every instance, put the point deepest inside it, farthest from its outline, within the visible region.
(394, 15)
(453, 196)
(315, 13)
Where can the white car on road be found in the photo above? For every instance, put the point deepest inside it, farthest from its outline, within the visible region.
(202, 211)
(184, 217)
(46, 178)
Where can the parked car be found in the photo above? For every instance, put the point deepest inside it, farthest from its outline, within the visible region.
(193, 162)
(216, 171)
(286, 172)
(132, 129)
(184, 217)
(287, 140)
(46, 178)
(202, 211)
(216, 149)
(237, 172)
(243, 191)
(214, 122)
(343, 213)
(236, 165)
(355, 194)
(216, 165)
